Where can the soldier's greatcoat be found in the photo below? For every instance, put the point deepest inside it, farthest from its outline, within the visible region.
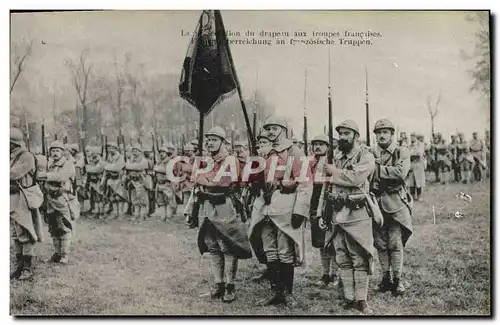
(22, 171)
(115, 188)
(282, 206)
(223, 216)
(136, 178)
(395, 202)
(60, 174)
(416, 177)
(351, 179)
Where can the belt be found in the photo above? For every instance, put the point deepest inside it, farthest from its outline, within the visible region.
(214, 198)
(338, 202)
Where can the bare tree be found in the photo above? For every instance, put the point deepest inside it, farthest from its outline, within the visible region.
(433, 111)
(19, 54)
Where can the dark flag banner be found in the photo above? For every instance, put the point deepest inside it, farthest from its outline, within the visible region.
(207, 76)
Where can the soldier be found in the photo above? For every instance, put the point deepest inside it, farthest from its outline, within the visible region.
(453, 148)
(136, 169)
(416, 176)
(24, 214)
(187, 169)
(276, 227)
(350, 236)
(403, 139)
(388, 184)
(443, 160)
(114, 189)
(478, 151)
(194, 143)
(165, 187)
(63, 207)
(320, 145)
(465, 158)
(222, 233)
(436, 140)
(95, 170)
(148, 181)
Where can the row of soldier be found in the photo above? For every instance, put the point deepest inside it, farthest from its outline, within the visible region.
(367, 207)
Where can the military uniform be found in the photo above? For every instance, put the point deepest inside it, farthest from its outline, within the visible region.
(465, 158)
(388, 184)
(443, 161)
(187, 183)
(277, 227)
(113, 183)
(166, 188)
(478, 152)
(63, 208)
(222, 233)
(94, 171)
(329, 267)
(136, 169)
(453, 148)
(349, 238)
(416, 176)
(24, 203)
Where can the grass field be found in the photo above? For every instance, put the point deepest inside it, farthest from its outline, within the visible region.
(154, 268)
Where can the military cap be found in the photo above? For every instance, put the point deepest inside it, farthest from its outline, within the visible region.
(320, 138)
(163, 148)
(194, 142)
(217, 131)
(413, 134)
(385, 124)
(348, 124)
(169, 145)
(275, 120)
(56, 144)
(16, 136)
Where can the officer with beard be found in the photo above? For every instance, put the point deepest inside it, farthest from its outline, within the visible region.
(276, 228)
(320, 145)
(388, 184)
(350, 236)
(222, 233)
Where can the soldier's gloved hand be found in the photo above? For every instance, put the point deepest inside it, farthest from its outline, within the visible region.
(329, 169)
(321, 223)
(188, 220)
(297, 220)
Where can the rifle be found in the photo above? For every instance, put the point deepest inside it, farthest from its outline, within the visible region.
(154, 149)
(102, 146)
(367, 110)
(152, 200)
(324, 209)
(44, 149)
(106, 146)
(305, 116)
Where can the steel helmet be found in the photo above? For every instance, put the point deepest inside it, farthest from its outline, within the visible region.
(217, 131)
(348, 124)
(136, 146)
(194, 142)
(112, 144)
(274, 120)
(56, 144)
(384, 124)
(320, 138)
(163, 148)
(169, 145)
(16, 136)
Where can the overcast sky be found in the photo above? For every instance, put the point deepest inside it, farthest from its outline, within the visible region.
(418, 55)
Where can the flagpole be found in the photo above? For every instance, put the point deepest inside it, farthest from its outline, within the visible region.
(238, 87)
(367, 109)
(305, 114)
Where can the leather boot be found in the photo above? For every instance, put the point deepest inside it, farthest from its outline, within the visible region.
(277, 296)
(398, 288)
(287, 271)
(386, 283)
(363, 307)
(230, 293)
(19, 267)
(324, 281)
(27, 269)
(218, 290)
